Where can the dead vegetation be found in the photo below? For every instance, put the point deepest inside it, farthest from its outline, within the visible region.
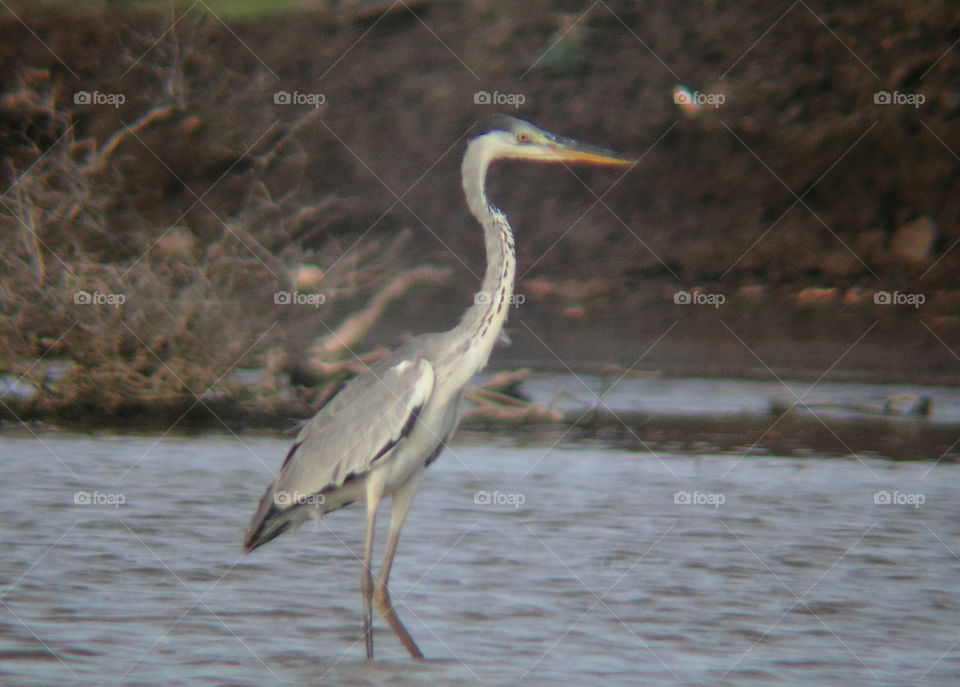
(119, 306)
(198, 200)
(151, 311)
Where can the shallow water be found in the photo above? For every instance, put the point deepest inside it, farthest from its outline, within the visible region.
(700, 397)
(587, 563)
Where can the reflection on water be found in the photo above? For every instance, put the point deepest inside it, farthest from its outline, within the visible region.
(534, 565)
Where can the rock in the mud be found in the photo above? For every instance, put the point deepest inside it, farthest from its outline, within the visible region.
(913, 240)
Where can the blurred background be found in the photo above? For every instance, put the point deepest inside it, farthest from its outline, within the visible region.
(718, 449)
(169, 169)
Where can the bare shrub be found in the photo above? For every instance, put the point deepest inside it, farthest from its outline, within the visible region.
(154, 292)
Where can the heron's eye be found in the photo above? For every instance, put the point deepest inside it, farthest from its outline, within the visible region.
(523, 137)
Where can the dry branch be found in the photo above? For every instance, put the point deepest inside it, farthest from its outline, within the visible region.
(497, 400)
(355, 327)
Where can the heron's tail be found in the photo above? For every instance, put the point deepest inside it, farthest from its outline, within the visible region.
(270, 521)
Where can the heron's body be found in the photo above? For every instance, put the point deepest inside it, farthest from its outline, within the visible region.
(377, 436)
(423, 420)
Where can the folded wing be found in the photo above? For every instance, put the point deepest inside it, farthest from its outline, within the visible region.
(345, 439)
(358, 428)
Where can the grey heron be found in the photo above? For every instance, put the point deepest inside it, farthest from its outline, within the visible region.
(376, 437)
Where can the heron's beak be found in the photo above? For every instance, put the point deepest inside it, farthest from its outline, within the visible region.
(574, 151)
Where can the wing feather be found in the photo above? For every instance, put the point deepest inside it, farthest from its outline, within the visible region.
(360, 426)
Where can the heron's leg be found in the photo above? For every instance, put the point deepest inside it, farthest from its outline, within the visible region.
(374, 494)
(402, 498)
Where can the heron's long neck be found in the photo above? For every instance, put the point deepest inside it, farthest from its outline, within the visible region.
(481, 324)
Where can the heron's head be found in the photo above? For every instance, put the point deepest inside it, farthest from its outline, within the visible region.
(512, 138)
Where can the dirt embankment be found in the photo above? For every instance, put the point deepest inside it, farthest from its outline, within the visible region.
(824, 183)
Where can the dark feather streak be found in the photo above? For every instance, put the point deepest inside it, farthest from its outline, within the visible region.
(404, 432)
(293, 449)
(436, 453)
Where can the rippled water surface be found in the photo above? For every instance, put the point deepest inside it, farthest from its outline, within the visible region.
(534, 565)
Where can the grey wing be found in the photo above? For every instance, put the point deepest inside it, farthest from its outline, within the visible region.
(359, 427)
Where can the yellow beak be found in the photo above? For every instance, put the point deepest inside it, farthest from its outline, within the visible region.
(573, 151)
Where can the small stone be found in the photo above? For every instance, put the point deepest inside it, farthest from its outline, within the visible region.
(752, 292)
(855, 296)
(817, 295)
(913, 240)
(178, 243)
(307, 277)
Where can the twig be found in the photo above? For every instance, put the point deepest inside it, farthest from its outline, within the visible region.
(357, 325)
(99, 159)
